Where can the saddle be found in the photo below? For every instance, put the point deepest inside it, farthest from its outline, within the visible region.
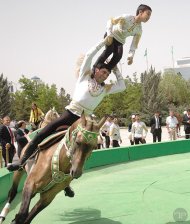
(51, 140)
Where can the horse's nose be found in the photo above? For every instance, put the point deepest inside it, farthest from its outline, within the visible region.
(75, 174)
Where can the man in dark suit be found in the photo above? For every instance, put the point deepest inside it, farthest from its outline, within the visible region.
(7, 140)
(21, 136)
(155, 124)
(186, 122)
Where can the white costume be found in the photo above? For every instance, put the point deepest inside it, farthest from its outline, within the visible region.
(88, 93)
(125, 27)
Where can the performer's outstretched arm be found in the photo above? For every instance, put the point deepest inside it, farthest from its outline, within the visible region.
(86, 65)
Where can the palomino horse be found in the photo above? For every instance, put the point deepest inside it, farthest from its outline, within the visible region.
(180, 119)
(48, 179)
(50, 116)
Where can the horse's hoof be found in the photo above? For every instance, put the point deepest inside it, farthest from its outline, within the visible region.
(69, 192)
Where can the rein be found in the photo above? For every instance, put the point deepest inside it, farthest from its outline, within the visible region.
(57, 175)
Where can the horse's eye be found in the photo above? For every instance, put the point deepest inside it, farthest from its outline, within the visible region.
(78, 143)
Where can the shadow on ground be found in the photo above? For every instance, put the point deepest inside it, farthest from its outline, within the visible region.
(86, 216)
(179, 222)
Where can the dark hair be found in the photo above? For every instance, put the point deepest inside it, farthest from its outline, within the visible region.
(103, 65)
(188, 110)
(100, 66)
(19, 124)
(143, 8)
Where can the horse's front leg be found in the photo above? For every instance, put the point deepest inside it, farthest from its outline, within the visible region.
(27, 194)
(44, 201)
(12, 193)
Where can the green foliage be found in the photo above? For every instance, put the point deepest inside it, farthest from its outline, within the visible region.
(175, 88)
(155, 91)
(5, 97)
(42, 94)
(122, 104)
(152, 96)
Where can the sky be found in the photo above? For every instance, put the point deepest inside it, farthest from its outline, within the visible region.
(44, 38)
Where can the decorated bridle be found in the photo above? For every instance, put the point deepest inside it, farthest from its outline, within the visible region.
(88, 136)
(57, 175)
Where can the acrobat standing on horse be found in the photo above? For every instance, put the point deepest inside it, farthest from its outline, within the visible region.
(89, 92)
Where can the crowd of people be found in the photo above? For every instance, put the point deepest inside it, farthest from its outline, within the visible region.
(14, 135)
(109, 136)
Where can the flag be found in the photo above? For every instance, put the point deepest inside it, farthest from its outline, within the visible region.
(145, 53)
(172, 49)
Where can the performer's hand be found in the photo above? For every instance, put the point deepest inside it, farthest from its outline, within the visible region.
(115, 69)
(130, 60)
(8, 145)
(108, 40)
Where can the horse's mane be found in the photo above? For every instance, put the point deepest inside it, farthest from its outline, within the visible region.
(49, 117)
(78, 64)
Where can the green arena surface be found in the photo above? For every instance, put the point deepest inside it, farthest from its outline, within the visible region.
(149, 191)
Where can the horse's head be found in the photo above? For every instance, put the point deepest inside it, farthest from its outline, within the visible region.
(51, 115)
(83, 139)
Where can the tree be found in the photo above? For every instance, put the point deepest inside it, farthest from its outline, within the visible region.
(64, 100)
(42, 94)
(20, 106)
(5, 97)
(152, 96)
(175, 88)
(122, 104)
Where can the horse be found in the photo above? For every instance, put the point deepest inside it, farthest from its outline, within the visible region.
(50, 116)
(180, 119)
(47, 179)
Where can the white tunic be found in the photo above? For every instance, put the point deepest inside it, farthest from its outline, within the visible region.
(125, 27)
(106, 127)
(115, 132)
(137, 129)
(172, 122)
(88, 93)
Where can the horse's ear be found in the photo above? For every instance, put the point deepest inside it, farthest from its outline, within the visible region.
(83, 119)
(53, 108)
(101, 122)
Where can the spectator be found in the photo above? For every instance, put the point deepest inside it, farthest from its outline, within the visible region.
(186, 122)
(137, 130)
(7, 140)
(36, 115)
(100, 141)
(172, 125)
(115, 133)
(129, 129)
(105, 131)
(155, 124)
(21, 136)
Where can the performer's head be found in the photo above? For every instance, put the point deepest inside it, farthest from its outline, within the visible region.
(101, 72)
(34, 106)
(143, 13)
(21, 124)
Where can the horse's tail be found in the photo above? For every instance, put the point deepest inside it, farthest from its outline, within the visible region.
(78, 64)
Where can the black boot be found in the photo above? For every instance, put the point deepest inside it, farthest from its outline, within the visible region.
(20, 164)
(69, 192)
